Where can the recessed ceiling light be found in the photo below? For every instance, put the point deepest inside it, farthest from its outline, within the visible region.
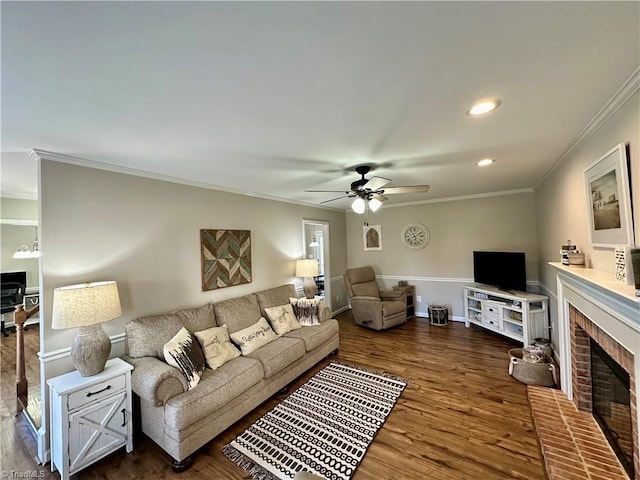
(483, 106)
(484, 162)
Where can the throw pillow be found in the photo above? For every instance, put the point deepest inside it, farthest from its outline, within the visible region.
(254, 336)
(184, 353)
(216, 345)
(282, 319)
(306, 310)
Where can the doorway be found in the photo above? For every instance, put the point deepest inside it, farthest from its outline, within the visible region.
(315, 245)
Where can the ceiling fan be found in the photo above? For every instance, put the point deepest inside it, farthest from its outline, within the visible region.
(370, 191)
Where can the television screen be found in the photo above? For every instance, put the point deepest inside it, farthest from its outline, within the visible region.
(12, 285)
(504, 270)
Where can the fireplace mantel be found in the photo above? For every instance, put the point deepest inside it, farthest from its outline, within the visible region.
(612, 306)
(603, 290)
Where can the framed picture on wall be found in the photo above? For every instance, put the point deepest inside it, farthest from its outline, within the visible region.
(372, 237)
(609, 200)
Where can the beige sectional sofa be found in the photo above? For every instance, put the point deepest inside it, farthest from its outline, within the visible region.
(181, 420)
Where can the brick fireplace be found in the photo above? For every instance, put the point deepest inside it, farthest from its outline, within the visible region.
(596, 315)
(583, 332)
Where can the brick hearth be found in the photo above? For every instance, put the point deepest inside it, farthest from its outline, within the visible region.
(573, 445)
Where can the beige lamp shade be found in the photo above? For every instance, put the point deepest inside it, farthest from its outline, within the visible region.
(306, 268)
(85, 304)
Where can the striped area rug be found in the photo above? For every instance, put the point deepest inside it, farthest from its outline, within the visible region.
(324, 427)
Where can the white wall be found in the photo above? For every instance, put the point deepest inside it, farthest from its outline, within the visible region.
(561, 203)
(145, 234)
(457, 227)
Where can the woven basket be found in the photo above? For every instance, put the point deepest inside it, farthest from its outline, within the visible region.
(532, 373)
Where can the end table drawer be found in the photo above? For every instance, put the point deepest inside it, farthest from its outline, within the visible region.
(96, 392)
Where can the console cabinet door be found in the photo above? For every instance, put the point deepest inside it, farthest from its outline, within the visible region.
(97, 430)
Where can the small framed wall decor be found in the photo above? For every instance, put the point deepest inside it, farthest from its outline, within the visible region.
(372, 237)
(609, 200)
(226, 258)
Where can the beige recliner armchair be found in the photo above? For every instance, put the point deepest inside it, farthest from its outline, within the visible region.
(371, 307)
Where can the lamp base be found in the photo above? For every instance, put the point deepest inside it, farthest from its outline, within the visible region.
(309, 287)
(90, 350)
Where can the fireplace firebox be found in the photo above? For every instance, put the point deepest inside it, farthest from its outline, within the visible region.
(611, 403)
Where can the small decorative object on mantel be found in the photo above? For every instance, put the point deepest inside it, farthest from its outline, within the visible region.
(635, 266)
(226, 258)
(624, 266)
(624, 274)
(570, 255)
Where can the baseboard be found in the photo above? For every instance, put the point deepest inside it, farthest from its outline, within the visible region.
(340, 310)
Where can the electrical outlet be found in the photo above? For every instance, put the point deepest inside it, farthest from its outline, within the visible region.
(337, 298)
(419, 299)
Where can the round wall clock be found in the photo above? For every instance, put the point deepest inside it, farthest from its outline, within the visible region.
(415, 236)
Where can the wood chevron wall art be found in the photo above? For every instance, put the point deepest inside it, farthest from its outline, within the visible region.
(226, 258)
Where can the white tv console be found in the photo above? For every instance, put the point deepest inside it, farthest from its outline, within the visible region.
(521, 316)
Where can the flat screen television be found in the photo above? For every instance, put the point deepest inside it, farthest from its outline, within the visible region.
(504, 270)
(12, 286)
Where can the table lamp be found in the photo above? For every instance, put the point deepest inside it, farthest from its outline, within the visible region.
(308, 269)
(86, 306)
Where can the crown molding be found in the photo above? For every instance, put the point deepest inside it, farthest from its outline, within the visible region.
(456, 199)
(623, 94)
(39, 154)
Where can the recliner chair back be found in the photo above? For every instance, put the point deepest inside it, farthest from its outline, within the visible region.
(362, 282)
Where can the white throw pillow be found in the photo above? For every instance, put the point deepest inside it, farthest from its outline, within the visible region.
(216, 346)
(282, 319)
(306, 310)
(254, 337)
(184, 353)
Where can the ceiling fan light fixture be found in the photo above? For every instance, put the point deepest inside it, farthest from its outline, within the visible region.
(374, 204)
(358, 205)
(483, 106)
(484, 162)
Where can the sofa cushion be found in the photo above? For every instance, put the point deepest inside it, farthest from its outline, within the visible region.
(315, 336)
(198, 319)
(254, 336)
(146, 336)
(216, 389)
(217, 346)
(273, 297)
(238, 313)
(278, 354)
(185, 353)
(282, 319)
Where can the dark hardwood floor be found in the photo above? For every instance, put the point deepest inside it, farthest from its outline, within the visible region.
(460, 417)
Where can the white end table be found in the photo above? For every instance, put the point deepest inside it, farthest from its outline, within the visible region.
(91, 417)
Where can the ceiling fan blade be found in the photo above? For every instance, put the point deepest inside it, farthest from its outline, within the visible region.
(406, 189)
(326, 191)
(337, 198)
(376, 183)
(380, 198)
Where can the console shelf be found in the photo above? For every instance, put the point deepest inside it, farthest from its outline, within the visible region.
(521, 316)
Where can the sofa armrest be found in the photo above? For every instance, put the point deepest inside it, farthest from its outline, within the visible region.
(393, 295)
(364, 299)
(156, 381)
(324, 313)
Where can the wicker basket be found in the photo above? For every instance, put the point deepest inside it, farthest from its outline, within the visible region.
(532, 373)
